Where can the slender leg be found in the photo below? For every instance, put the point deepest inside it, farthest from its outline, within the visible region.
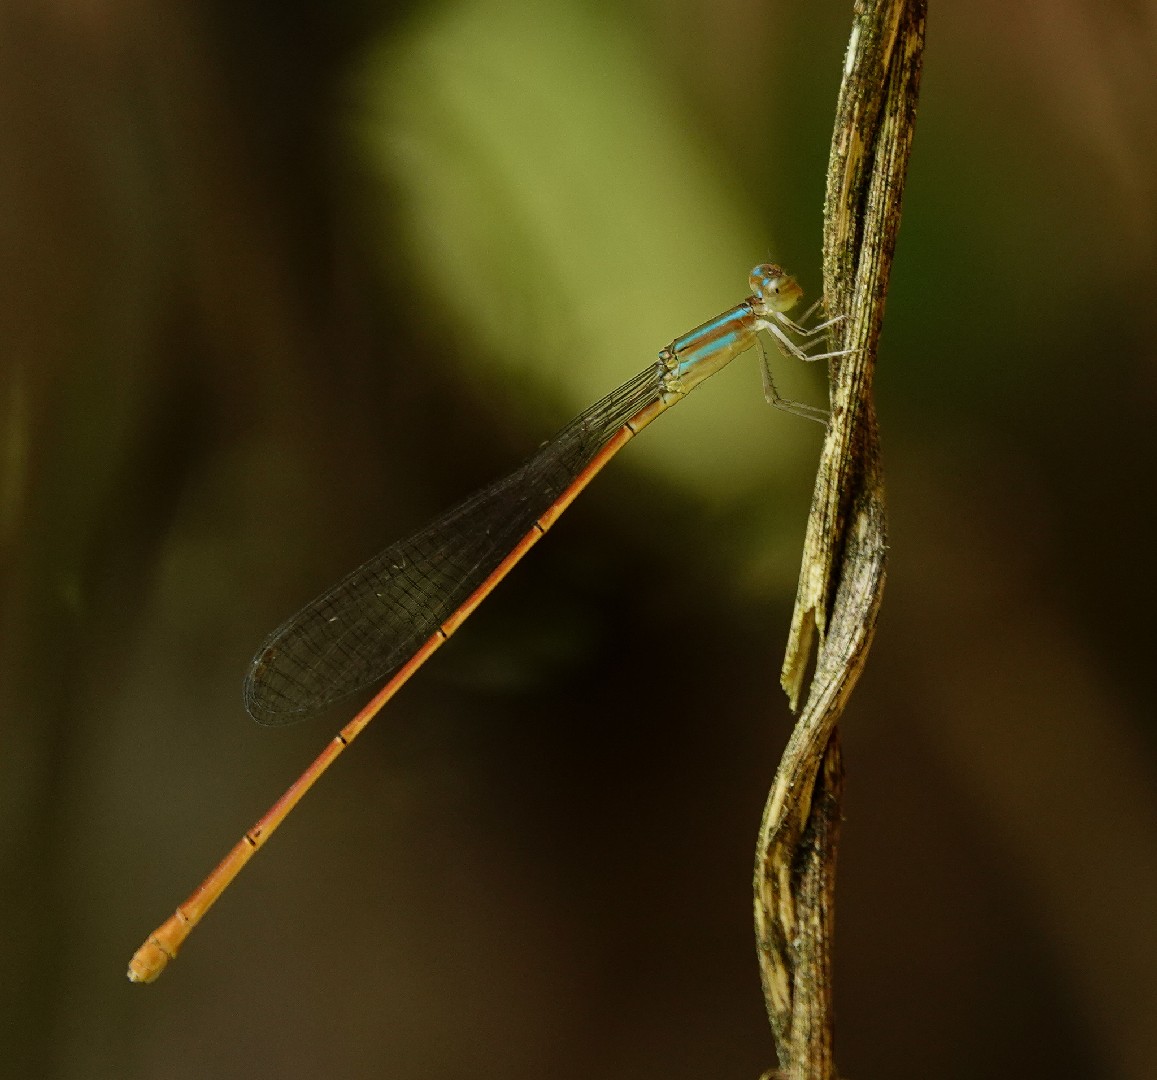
(791, 348)
(815, 304)
(796, 408)
(796, 328)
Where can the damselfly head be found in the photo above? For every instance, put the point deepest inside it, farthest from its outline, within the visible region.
(775, 287)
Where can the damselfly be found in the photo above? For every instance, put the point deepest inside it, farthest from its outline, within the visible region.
(383, 621)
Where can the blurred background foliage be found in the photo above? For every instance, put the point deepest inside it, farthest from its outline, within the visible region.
(282, 281)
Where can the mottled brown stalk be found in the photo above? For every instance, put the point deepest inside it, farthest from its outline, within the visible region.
(845, 551)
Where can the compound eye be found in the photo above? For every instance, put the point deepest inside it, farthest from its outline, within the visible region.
(765, 279)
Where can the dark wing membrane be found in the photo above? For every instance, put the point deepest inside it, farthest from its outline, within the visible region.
(372, 621)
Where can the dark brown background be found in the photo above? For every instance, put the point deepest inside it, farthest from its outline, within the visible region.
(281, 281)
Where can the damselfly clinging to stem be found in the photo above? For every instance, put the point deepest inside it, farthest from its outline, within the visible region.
(385, 619)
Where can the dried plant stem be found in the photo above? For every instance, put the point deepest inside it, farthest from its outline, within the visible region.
(845, 551)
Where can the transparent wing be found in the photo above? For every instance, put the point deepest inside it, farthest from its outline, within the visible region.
(372, 621)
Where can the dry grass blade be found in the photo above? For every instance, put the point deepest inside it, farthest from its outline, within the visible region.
(845, 553)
